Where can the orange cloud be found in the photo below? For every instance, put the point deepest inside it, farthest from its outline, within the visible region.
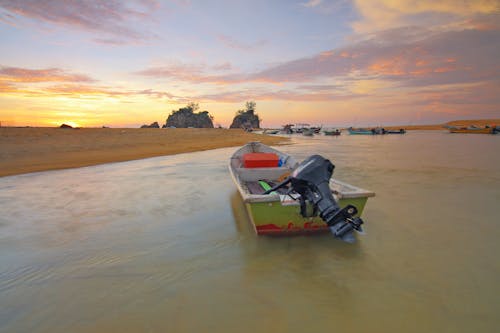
(7, 88)
(284, 95)
(78, 90)
(25, 75)
(188, 73)
(387, 14)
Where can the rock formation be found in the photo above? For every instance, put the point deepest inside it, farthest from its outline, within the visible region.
(152, 125)
(246, 119)
(186, 117)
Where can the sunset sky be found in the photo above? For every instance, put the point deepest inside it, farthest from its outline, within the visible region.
(336, 63)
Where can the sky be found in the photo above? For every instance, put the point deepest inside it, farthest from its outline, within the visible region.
(323, 62)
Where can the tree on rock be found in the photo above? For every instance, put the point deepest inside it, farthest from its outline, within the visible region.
(246, 119)
(187, 117)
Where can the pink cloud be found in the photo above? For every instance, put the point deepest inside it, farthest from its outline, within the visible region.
(261, 95)
(112, 17)
(23, 75)
(407, 56)
(77, 89)
(410, 57)
(188, 73)
(24, 81)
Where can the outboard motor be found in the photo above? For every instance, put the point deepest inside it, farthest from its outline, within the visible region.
(311, 179)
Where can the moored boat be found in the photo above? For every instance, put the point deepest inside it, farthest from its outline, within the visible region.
(308, 132)
(332, 132)
(271, 131)
(257, 169)
(361, 131)
(400, 131)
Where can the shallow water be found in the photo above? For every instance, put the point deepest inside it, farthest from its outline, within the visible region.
(164, 244)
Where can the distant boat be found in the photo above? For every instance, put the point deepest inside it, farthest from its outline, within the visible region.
(308, 132)
(361, 131)
(332, 132)
(300, 129)
(400, 131)
(368, 131)
(316, 130)
(288, 129)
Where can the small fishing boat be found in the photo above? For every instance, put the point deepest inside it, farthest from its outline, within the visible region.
(332, 132)
(400, 131)
(360, 131)
(284, 197)
(307, 132)
(367, 131)
(271, 131)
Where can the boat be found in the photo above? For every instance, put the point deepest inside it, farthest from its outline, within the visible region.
(271, 131)
(400, 131)
(307, 132)
(257, 170)
(473, 129)
(316, 130)
(332, 132)
(367, 131)
(360, 131)
(288, 129)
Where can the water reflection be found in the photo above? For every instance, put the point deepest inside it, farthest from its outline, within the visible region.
(165, 244)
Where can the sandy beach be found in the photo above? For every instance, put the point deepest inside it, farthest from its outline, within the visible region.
(438, 127)
(24, 150)
(31, 149)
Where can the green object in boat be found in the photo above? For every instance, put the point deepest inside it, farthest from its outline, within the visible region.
(264, 185)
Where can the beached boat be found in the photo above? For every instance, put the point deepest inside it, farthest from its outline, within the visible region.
(256, 168)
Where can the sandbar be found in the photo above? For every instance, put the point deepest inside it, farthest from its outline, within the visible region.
(32, 149)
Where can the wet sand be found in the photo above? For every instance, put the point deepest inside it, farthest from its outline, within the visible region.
(24, 150)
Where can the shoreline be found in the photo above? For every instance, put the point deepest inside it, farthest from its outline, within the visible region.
(442, 127)
(34, 149)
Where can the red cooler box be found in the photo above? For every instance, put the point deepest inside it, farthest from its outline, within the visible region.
(260, 160)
